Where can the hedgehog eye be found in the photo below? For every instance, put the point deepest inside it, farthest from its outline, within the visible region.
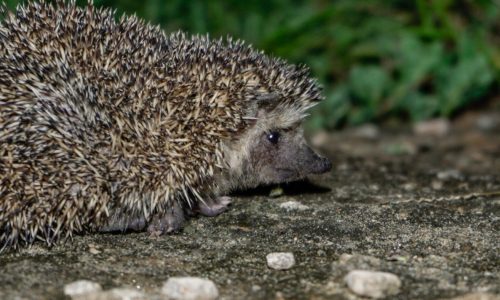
(273, 137)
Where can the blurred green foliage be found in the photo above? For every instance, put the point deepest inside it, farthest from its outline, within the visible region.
(377, 59)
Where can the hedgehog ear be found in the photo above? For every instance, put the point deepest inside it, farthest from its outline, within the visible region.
(266, 102)
(261, 104)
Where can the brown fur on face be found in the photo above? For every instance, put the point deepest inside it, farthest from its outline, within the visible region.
(272, 151)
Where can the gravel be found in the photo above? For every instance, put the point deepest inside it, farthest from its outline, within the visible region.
(372, 284)
(80, 287)
(280, 260)
(293, 205)
(190, 288)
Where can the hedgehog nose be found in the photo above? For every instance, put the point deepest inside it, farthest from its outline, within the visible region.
(324, 165)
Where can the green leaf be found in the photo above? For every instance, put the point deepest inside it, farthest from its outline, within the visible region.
(368, 84)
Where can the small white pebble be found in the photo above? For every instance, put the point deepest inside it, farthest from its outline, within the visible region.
(345, 257)
(368, 131)
(477, 296)
(190, 288)
(372, 284)
(409, 186)
(256, 288)
(279, 296)
(293, 205)
(81, 287)
(125, 294)
(449, 175)
(94, 251)
(436, 128)
(280, 260)
(437, 184)
(488, 122)
(114, 294)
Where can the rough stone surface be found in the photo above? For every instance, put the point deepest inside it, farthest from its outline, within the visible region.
(190, 288)
(280, 260)
(80, 287)
(441, 242)
(372, 284)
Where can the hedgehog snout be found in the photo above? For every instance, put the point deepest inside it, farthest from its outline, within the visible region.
(317, 164)
(322, 165)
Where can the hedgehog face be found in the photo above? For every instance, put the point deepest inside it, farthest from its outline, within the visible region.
(282, 155)
(272, 151)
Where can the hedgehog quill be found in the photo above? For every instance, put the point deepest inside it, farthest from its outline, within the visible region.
(112, 125)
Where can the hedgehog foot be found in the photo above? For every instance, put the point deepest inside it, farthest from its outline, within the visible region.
(169, 222)
(122, 223)
(214, 208)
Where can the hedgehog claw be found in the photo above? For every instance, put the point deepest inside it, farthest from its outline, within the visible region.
(212, 209)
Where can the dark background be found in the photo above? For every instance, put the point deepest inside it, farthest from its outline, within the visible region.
(378, 60)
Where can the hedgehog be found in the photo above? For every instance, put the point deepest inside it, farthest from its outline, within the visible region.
(112, 125)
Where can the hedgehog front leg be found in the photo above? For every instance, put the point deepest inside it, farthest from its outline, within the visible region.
(170, 221)
(214, 207)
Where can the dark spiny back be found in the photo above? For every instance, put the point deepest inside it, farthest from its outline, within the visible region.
(97, 114)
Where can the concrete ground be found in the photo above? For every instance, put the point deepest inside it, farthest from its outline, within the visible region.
(425, 207)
